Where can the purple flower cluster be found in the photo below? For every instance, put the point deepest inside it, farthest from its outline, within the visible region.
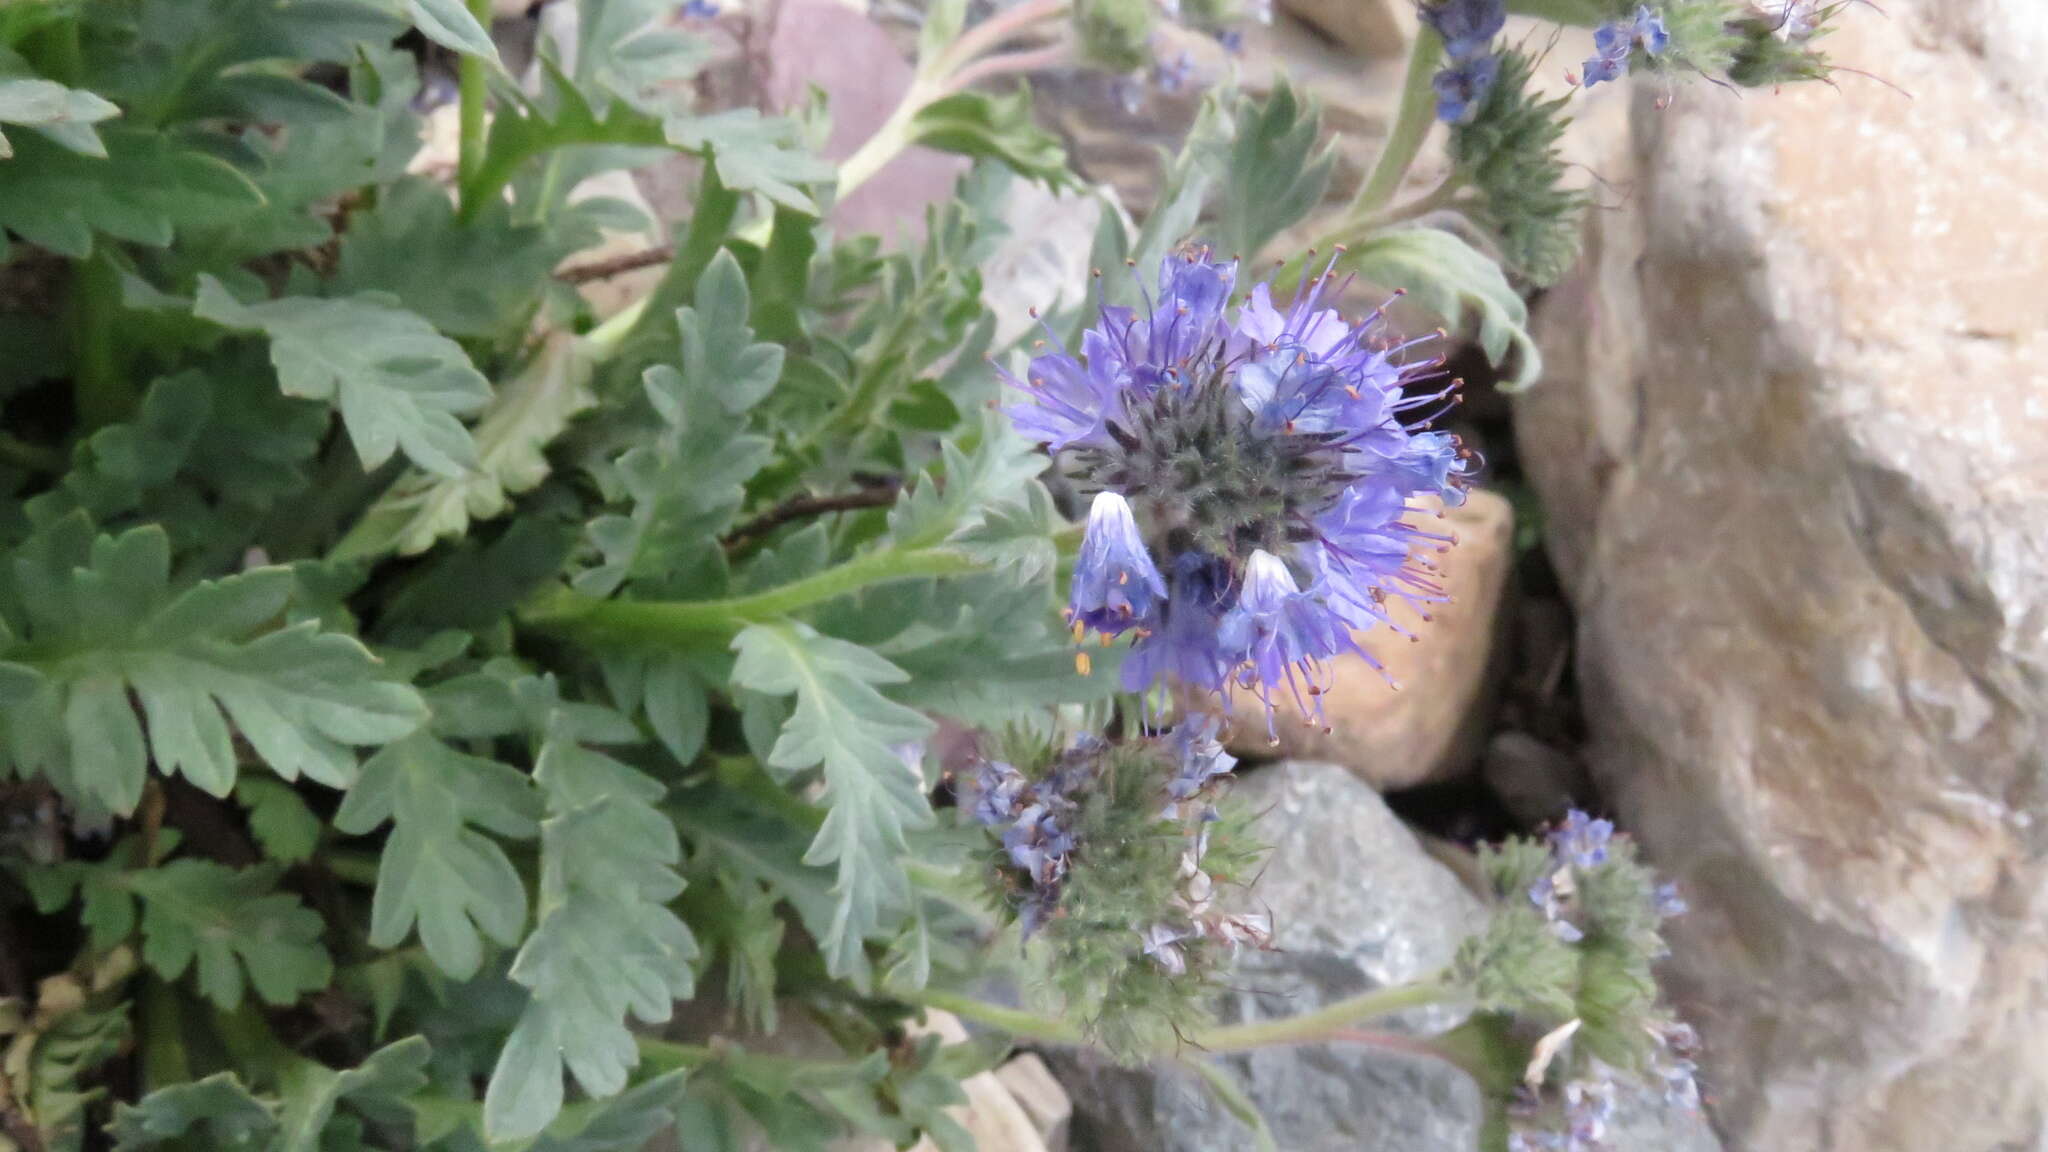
(1253, 477)
(1468, 28)
(1588, 1111)
(1035, 819)
(1578, 843)
(1615, 40)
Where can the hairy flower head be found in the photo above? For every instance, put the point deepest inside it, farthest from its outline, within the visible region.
(1254, 473)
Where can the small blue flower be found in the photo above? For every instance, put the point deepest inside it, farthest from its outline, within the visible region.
(1460, 87)
(700, 9)
(1067, 402)
(1201, 758)
(1467, 26)
(998, 792)
(1282, 635)
(1670, 903)
(1184, 645)
(1176, 74)
(1581, 841)
(1231, 40)
(1615, 40)
(1116, 586)
(1038, 844)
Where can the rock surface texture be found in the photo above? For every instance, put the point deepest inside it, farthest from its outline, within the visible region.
(1794, 452)
(1357, 904)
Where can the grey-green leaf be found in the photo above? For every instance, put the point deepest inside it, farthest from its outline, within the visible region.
(398, 384)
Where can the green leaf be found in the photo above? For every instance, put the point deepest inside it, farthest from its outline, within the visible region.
(64, 115)
(437, 871)
(1275, 176)
(1000, 469)
(205, 456)
(279, 819)
(994, 127)
(755, 153)
(685, 488)
(478, 278)
(218, 1107)
(397, 383)
(96, 619)
(228, 922)
(379, 1086)
(719, 352)
(606, 943)
(449, 24)
(1448, 276)
(845, 725)
(628, 1120)
(530, 411)
(148, 187)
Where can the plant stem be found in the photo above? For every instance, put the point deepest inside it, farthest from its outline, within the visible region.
(470, 76)
(99, 388)
(698, 623)
(30, 457)
(1009, 63)
(992, 32)
(1411, 126)
(1326, 1023)
(1323, 1023)
(1015, 1021)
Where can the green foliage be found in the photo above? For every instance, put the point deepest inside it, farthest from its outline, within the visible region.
(1508, 153)
(1450, 277)
(842, 724)
(397, 383)
(1275, 174)
(416, 677)
(85, 621)
(995, 128)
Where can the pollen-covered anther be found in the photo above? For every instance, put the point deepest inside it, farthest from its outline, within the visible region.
(1082, 664)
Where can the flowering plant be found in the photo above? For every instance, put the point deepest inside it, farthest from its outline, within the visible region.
(418, 679)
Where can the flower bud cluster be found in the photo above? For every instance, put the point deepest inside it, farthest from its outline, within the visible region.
(1569, 950)
(1119, 860)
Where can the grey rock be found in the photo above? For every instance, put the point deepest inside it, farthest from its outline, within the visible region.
(1794, 450)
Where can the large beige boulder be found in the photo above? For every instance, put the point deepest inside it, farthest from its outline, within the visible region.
(1794, 451)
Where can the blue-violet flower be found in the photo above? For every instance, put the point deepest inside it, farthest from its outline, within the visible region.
(1254, 476)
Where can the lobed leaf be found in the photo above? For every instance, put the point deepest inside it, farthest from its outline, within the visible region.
(438, 871)
(92, 620)
(397, 383)
(843, 724)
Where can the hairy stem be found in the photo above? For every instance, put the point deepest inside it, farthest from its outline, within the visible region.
(470, 76)
(992, 32)
(713, 623)
(1330, 1022)
(100, 389)
(1007, 64)
(1326, 1022)
(1411, 126)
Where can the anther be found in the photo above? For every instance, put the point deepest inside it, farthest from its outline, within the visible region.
(1082, 663)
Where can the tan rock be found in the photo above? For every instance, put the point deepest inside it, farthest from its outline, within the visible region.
(1031, 1083)
(1794, 450)
(991, 1115)
(1379, 28)
(1398, 737)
